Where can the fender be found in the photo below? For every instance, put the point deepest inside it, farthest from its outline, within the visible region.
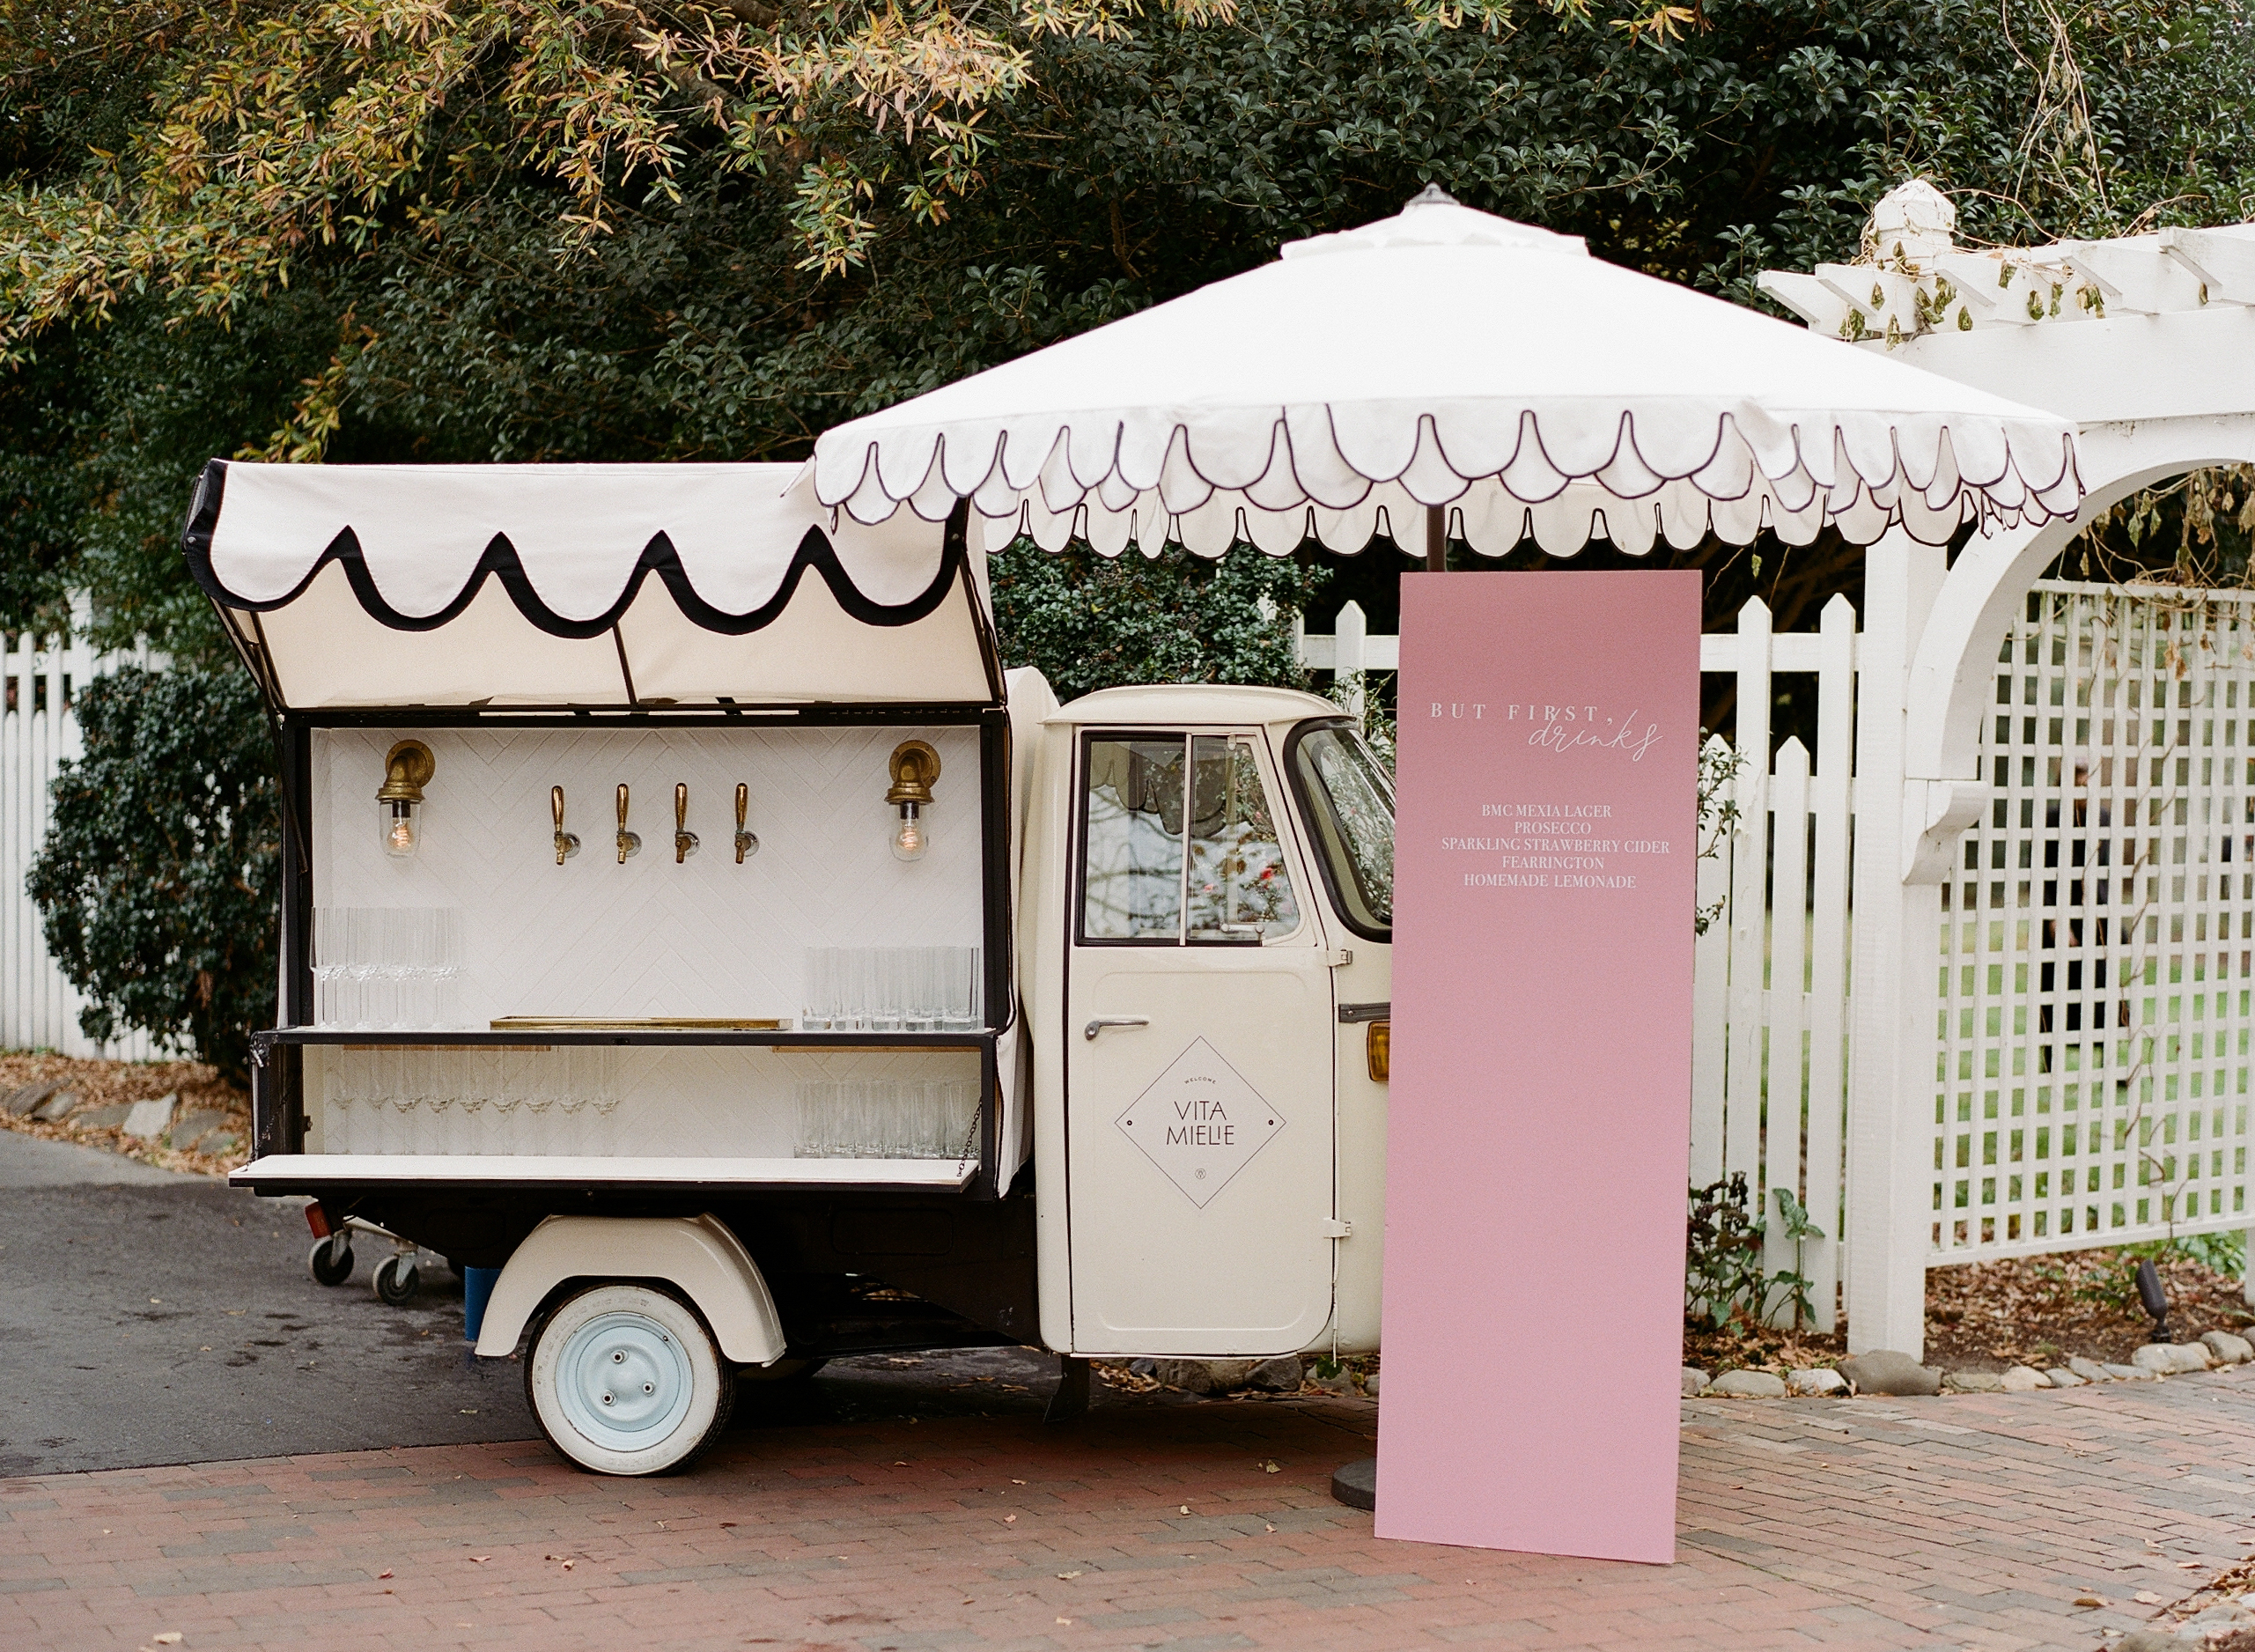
(698, 1254)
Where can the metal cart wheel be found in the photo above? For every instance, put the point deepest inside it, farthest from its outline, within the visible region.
(330, 1260)
(396, 1280)
(624, 1379)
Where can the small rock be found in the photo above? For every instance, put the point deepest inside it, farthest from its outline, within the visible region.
(1886, 1371)
(216, 1143)
(1816, 1382)
(2089, 1370)
(1749, 1385)
(1276, 1377)
(1340, 1381)
(2062, 1377)
(1370, 1385)
(1972, 1382)
(25, 1097)
(98, 1117)
(1226, 1376)
(2219, 1619)
(1143, 1368)
(2152, 1640)
(146, 1120)
(2128, 1373)
(2024, 1379)
(58, 1105)
(1694, 1379)
(2172, 1358)
(2229, 1349)
(189, 1127)
(1192, 1376)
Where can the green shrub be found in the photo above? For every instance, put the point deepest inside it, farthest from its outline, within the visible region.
(160, 877)
(1093, 623)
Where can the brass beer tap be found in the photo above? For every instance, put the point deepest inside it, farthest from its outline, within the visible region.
(567, 844)
(746, 842)
(629, 843)
(684, 839)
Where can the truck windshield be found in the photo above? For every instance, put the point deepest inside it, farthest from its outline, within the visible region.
(1349, 802)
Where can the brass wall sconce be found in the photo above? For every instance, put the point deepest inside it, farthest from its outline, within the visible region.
(629, 843)
(567, 844)
(746, 842)
(684, 839)
(914, 765)
(407, 768)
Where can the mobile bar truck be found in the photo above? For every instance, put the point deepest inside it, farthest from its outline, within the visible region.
(685, 915)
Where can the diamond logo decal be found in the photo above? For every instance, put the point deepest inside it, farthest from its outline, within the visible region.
(1200, 1123)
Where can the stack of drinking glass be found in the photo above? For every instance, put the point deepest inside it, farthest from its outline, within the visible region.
(529, 1099)
(888, 1118)
(892, 989)
(387, 966)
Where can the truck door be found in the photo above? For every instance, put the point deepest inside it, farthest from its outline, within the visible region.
(1198, 1092)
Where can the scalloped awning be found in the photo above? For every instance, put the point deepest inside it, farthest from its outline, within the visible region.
(583, 586)
(1447, 358)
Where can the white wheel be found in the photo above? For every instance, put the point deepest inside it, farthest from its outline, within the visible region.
(625, 1380)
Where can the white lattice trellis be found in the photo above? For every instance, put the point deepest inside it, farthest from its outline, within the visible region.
(2097, 936)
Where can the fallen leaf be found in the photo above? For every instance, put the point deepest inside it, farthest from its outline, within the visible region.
(2188, 1565)
(1271, 1528)
(726, 1524)
(2092, 1600)
(382, 1575)
(1009, 1520)
(1065, 1620)
(481, 1559)
(1186, 1509)
(1270, 1467)
(567, 1565)
(1068, 1575)
(171, 1637)
(1017, 1482)
(2147, 1597)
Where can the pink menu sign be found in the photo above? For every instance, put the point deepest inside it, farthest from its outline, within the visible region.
(1536, 1143)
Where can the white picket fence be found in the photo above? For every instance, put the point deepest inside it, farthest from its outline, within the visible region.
(1771, 978)
(40, 677)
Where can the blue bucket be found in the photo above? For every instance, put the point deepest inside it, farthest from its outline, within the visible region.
(477, 1290)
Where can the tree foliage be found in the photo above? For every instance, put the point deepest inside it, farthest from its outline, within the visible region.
(1089, 624)
(159, 875)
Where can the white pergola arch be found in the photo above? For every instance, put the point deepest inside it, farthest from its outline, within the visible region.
(2147, 344)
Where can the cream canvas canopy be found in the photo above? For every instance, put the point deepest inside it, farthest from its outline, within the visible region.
(1448, 359)
(583, 586)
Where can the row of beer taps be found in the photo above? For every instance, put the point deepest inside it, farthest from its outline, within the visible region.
(630, 842)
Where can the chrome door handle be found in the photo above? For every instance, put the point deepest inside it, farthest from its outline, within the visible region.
(1102, 1022)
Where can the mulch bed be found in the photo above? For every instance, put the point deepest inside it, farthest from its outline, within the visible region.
(2029, 1310)
(99, 1083)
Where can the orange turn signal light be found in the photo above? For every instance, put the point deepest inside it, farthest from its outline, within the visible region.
(1377, 1045)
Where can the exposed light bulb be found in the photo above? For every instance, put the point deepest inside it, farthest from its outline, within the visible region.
(909, 837)
(401, 835)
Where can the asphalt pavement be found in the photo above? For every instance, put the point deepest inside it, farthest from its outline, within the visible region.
(150, 1318)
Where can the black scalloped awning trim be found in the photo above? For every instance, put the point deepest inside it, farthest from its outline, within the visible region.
(500, 561)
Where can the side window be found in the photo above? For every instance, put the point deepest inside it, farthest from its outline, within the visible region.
(1157, 872)
(1239, 889)
(1132, 841)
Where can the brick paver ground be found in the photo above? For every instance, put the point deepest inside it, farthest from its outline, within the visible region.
(1970, 1522)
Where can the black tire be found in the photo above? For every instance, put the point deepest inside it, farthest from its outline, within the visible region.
(330, 1260)
(396, 1280)
(454, 1267)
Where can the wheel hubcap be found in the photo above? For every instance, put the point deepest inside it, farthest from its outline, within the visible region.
(625, 1382)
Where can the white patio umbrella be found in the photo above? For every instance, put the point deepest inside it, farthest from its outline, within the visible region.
(1448, 360)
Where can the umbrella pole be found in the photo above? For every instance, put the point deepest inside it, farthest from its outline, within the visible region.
(1436, 539)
